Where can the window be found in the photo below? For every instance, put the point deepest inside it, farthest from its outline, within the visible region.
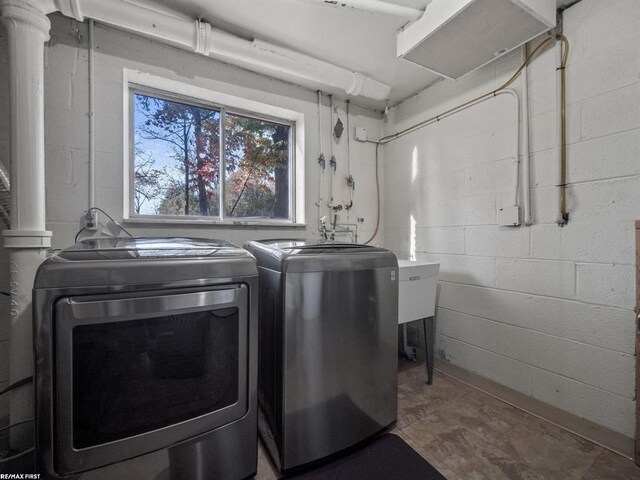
(192, 160)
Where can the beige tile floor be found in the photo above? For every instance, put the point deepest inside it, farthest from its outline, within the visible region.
(469, 435)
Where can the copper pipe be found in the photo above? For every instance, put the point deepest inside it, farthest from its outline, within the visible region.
(471, 102)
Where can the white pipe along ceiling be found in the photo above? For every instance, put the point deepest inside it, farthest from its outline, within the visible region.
(200, 37)
(374, 6)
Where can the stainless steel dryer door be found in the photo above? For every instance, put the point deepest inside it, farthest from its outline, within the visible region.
(137, 373)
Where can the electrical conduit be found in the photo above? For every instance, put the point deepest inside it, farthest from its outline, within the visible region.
(92, 134)
(332, 160)
(463, 106)
(350, 181)
(526, 161)
(516, 156)
(321, 160)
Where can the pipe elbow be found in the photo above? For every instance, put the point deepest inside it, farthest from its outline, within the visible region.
(69, 8)
(202, 43)
(368, 87)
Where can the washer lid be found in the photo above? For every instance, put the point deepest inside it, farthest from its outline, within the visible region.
(122, 248)
(313, 247)
(296, 255)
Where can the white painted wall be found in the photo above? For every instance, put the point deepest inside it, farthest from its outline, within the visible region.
(66, 137)
(544, 310)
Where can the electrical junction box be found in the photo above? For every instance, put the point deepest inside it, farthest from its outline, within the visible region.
(509, 216)
(361, 134)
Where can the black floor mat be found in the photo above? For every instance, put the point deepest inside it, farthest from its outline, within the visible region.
(387, 458)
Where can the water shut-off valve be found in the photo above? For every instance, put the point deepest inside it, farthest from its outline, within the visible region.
(351, 182)
(322, 161)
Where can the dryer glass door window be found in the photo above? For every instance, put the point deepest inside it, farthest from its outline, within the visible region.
(136, 376)
(136, 373)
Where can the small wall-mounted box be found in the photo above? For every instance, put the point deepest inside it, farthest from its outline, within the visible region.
(509, 216)
(361, 134)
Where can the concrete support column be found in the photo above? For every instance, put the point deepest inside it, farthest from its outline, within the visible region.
(27, 30)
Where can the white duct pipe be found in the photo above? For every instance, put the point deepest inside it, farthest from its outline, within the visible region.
(374, 6)
(200, 37)
(27, 29)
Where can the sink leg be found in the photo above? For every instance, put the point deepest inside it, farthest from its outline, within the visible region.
(428, 346)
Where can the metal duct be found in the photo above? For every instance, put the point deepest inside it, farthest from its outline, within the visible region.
(455, 37)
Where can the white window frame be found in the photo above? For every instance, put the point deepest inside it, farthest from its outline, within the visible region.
(146, 83)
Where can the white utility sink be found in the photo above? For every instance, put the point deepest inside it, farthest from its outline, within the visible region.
(417, 300)
(417, 290)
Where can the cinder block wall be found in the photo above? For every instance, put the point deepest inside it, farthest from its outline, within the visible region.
(66, 133)
(544, 310)
(67, 138)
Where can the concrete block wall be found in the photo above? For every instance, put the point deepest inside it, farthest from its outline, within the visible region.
(66, 138)
(545, 310)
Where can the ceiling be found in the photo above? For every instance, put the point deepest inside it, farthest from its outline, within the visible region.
(360, 40)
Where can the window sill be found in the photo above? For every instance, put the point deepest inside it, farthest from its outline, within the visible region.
(202, 222)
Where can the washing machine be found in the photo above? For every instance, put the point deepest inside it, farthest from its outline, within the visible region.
(146, 360)
(328, 316)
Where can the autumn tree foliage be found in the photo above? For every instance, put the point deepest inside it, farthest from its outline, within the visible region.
(146, 180)
(256, 160)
